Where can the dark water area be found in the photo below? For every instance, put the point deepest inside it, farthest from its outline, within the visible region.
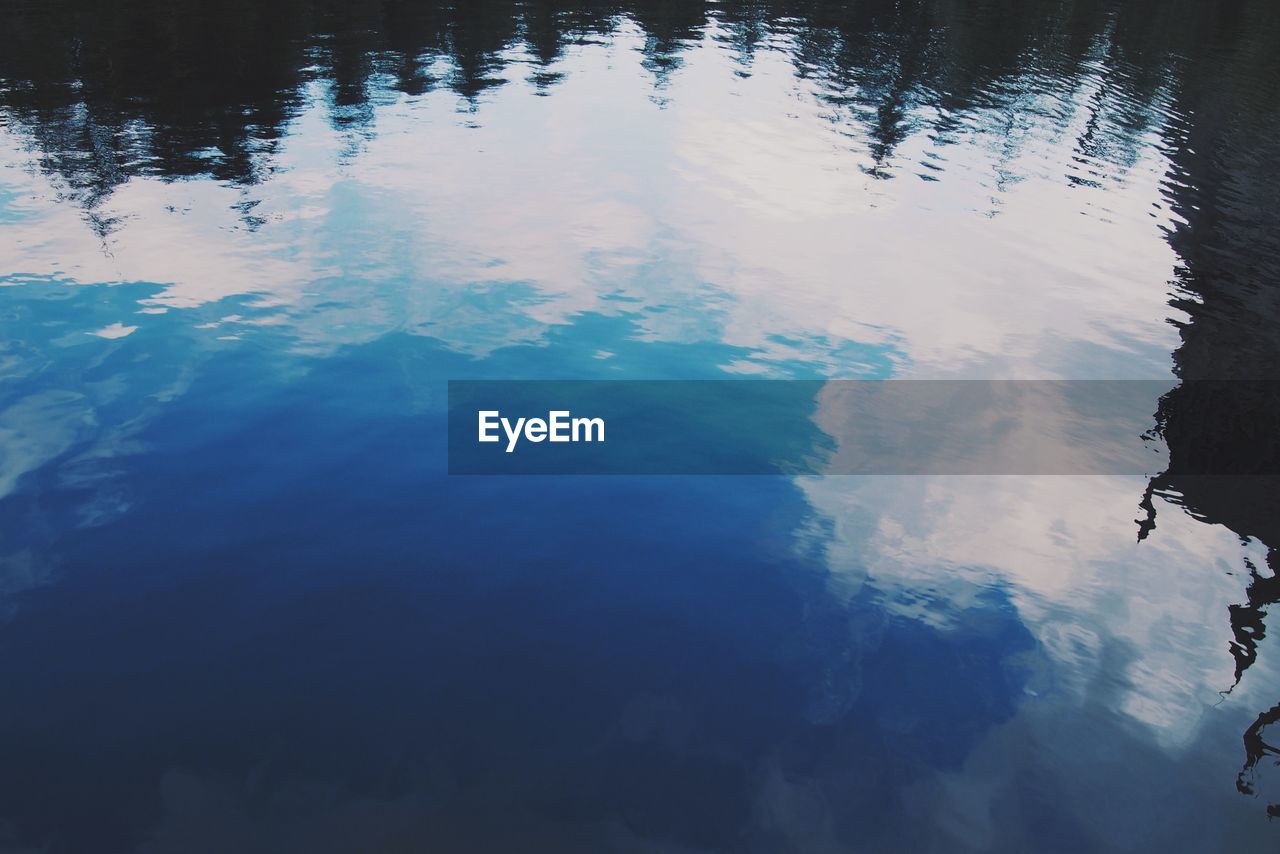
(245, 246)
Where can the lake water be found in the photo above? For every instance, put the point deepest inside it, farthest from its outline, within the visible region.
(245, 246)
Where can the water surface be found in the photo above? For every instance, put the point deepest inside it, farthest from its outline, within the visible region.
(245, 246)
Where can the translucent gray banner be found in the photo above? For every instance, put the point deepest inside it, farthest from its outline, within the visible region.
(856, 427)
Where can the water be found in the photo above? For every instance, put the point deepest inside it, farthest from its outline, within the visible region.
(245, 246)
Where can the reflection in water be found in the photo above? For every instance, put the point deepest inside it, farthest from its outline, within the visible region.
(242, 608)
(209, 89)
(1225, 200)
(1256, 750)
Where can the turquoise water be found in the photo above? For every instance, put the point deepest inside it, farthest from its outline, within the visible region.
(244, 608)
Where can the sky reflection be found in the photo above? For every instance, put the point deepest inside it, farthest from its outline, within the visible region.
(242, 607)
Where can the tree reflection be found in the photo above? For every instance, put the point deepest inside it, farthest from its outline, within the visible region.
(106, 91)
(1226, 196)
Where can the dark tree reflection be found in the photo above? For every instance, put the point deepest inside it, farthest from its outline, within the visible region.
(206, 87)
(1226, 194)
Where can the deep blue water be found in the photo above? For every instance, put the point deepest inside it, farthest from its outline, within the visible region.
(246, 246)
